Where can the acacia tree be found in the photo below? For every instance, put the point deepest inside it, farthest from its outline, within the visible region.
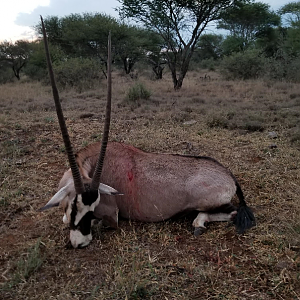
(132, 44)
(156, 59)
(246, 20)
(210, 46)
(291, 16)
(180, 24)
(15, 55)
(85, 35)
(291, 12)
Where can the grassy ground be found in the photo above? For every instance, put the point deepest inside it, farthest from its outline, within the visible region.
(162, 260)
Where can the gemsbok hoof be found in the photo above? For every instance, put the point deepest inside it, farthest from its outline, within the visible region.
(199, 230)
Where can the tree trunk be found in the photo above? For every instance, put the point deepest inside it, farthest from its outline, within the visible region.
(128, 65)
(183, 64)
(158, 70)
(178, 83)
(174, 75)
(16, 72)
(183, 71)
(125, 64)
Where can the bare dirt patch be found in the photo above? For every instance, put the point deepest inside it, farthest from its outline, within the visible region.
(230, 122)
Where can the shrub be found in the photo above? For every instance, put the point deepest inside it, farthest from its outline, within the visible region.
(209, 64)
(231, 120)
(220, 121)
(81, 73)
(6, 74)
(283, 69)
(295, 136)
(138, 92)
(243, 65)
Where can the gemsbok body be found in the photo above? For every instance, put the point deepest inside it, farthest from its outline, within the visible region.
(148, 187)
(156, 187)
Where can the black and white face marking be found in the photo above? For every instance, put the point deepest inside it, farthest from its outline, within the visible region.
(80, 213)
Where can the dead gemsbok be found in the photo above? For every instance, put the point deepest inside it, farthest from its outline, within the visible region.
(155, 187)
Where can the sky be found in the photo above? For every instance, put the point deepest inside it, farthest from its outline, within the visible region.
(17, 17)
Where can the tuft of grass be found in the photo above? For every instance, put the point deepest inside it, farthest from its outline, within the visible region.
(4, 202)
(49, 120)
(85, 143)
(253, 125)
(295, 136)
(11, 148)
(62, 149)
(217, 120)
(140, 292)
(294, 96)
(232, 121)
(138, 92)
(27, 266)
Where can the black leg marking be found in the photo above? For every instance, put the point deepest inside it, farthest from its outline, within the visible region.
(225, 208)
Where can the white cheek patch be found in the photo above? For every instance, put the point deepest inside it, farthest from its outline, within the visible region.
(67, 214)
(78, 239)
(83, 209)
(65, 219)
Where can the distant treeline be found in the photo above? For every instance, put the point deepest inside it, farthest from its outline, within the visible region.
(259, 43)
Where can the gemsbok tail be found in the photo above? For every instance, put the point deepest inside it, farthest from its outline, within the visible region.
(244, 218)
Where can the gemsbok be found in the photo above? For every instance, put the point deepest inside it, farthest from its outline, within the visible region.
(142, 186)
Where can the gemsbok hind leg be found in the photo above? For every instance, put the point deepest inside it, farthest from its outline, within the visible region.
(206, 217)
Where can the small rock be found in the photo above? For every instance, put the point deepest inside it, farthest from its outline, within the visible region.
(191, 122)
(272, 135)
(284, 265)
(273, 146)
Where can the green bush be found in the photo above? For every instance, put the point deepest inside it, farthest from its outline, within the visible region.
(231, 120)
(36, 72)
(137, 92)
(6, 74)
(81, 73)
(283, 69)
(209, 64)
(220, 121)
(243, 65)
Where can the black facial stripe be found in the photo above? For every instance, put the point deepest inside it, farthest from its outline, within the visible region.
(84, 225)
(73, 213)
(89, 196)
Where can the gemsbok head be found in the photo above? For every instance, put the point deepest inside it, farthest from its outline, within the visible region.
(79, 207)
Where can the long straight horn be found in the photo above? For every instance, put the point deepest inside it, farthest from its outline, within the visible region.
(78, 183)
(98, 170)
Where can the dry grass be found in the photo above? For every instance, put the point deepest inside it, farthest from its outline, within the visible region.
(162, 260)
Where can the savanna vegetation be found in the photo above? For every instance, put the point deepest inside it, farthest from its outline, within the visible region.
(239, 102)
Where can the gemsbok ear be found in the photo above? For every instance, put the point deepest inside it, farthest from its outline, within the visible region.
(108, 190)
(57, 198)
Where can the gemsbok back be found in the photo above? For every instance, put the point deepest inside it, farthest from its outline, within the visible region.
(154, 187)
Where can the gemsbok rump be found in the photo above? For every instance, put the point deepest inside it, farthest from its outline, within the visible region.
(154, 187)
